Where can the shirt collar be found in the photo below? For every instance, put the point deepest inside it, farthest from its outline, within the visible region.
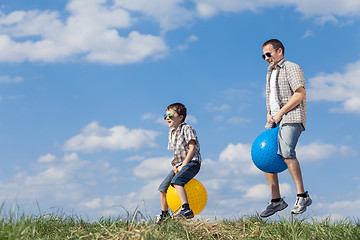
(279, 65)
(178, 128)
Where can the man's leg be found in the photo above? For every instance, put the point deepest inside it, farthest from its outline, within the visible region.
(303, 199)
(295, 171)
(277, 203)
(273, 181)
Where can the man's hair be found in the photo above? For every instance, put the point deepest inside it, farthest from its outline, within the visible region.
(276, 44)
(179, 108)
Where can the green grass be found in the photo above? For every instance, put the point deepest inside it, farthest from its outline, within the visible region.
(60, 226)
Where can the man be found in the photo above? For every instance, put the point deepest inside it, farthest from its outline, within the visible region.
(286, 105)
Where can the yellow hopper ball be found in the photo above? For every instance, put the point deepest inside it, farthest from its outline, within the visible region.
(196, 193)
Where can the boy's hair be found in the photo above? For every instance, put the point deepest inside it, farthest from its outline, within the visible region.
(276, 44)
(179, 108)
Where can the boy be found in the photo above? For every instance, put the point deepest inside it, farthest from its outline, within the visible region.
(186, 163)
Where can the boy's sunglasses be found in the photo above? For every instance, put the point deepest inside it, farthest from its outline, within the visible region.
(266, 55)
(170, 115)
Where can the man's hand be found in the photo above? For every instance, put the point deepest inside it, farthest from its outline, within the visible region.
(277, 118)
(270, 121)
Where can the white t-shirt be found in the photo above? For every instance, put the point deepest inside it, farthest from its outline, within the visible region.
(274, 106)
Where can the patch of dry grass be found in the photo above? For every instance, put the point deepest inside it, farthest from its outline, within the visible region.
(58, 226)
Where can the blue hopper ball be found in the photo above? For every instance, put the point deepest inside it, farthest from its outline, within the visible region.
(264, 152)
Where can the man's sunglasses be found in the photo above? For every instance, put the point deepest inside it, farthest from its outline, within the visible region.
(266, 55)
(170, 115)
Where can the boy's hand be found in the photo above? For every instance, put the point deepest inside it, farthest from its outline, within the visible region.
(179, 168)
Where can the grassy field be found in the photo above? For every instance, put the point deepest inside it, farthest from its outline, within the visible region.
(60, 226)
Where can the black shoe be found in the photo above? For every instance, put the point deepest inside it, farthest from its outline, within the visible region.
(184, 214)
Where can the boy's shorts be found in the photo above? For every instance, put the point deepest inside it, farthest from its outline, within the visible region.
(181, 178)
(288, 137)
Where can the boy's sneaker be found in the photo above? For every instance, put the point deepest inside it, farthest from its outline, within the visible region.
(161, 217)
(301, 204)
(184, 214)
(274, 207)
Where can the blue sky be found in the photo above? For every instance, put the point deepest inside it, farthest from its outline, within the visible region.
(84, 86)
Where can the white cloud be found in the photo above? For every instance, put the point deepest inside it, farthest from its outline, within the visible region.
(338, 87)
(315, 151)
(325, 19)
(62, 181)
(48, 158)
(259, 191)
(220, 108)
(238, 159)
(9, 79)
(191, 119)
(170, 15)
(346, 8)
(238, 120)
(90, 32)
(95, 138)
(307, 34)
(135, 158)
(148, 116)
(16, 97)
(115, 205)
(340, 209)
(205, 10)
(189, 40)
(92, 204)
(153, 167)
(235, 153)
(328, 7)
(57, 174)
(347, 151)
(262, 191)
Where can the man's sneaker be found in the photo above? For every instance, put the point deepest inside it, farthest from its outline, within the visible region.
(161, 217)
(301, 204)
(184, 214)
(274, 207)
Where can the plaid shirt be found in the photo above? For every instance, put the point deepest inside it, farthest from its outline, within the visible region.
(289, 78)
(183, 134)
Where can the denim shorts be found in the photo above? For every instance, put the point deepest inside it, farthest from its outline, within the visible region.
(288, 137)
(181, 178)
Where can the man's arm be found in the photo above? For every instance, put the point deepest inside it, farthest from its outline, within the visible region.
(296, 98)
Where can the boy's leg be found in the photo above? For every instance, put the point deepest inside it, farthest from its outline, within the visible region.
(184, 176)
(163, 189)
(182, 194)
(187, 173)
(164, 205)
